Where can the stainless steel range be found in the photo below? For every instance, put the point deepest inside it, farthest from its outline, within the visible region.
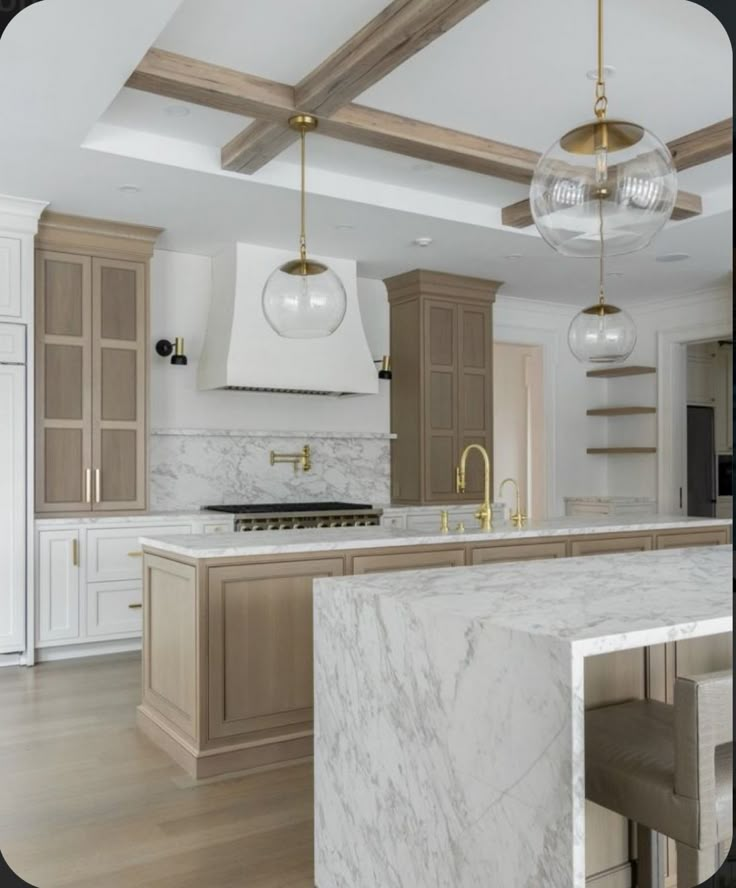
(293, 516)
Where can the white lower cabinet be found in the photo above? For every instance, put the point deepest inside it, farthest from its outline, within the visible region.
(114, 608)
(89, 582)
(58, 584)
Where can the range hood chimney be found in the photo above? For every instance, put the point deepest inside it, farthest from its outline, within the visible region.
(243, 352)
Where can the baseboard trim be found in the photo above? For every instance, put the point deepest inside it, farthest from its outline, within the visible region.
(90, 649)
(216, 762)
(620, 877)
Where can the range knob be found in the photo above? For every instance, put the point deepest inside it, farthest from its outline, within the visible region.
(334, 524)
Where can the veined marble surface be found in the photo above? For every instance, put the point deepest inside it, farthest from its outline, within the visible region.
(191, 469)
(145, 519)
(229, 545)
(449, 710)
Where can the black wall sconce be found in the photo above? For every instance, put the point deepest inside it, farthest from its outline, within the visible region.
(385, 371)
(165, 348)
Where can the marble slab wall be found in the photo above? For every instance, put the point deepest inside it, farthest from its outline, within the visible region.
(190, 468)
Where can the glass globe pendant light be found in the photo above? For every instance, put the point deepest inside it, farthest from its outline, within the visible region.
(601, 333)
(304, 299)
(614, 163)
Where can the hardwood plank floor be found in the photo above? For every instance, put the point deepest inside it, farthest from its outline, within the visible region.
(87, 801)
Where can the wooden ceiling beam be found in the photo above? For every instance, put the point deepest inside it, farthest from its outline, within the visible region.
(398, 32)
(189, 80)
(519, 215)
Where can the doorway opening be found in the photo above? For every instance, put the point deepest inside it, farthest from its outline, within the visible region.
(518, 426)
(709, 439)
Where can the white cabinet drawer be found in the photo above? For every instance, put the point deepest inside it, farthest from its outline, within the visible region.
(58, 585)
(12, 344)
(109, 550)
(112, 608)
(10, 295)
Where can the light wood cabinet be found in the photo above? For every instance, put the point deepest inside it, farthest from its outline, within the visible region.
(442, 386)
(407, 560)
(601, 545)
(711, 536)
(260, 645)
(518, 552)
(91, 336)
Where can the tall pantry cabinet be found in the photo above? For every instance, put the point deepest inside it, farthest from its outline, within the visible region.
(18, 224)
(92, 280)
(442, 384)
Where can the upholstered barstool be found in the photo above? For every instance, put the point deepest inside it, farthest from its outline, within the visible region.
(669, 768)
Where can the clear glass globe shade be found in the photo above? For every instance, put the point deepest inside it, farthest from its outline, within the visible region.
(304, 306)
(624, 171)
(602, 337)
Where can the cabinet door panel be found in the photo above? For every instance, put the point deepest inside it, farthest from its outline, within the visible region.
(115, 553)
(10, 287)
(12, 508)
(260, 644)
(610, 546)
(716, 536)
(518, 552)
(440, 400)
(63, 382)
(363, 564)
(114, 609)
(119, 385)
(58, 585)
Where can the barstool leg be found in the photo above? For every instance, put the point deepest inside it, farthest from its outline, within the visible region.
(652, 860)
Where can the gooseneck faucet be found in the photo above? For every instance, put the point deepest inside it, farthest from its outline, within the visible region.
(484, 513)
(518, 518)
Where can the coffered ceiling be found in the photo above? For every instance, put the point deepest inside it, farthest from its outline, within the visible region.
(512, 71)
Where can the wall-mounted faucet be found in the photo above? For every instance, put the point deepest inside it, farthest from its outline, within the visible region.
(518, 518)
(303, 459)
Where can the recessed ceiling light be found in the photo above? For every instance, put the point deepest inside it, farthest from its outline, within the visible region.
(177, 111)
(614, 274)
(673, 257)
(608, 72)
(513, 257)
(422, 241)
(422, 166)
(345, 227)
(129, 189)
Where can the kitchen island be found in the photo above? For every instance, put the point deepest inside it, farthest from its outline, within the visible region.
(449, 741)
(227, 621)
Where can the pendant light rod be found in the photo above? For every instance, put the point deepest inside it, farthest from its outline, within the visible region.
(303, 123)
(601, 101)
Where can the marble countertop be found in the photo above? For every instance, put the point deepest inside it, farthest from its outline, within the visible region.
(610, 602)
(152, 517)
(233, 545)
(450, 709)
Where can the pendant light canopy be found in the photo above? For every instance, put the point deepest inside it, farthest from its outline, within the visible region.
(304, 299)
(601, 333)
(613, 163)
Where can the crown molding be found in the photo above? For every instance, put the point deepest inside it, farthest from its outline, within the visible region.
(59, 231)
(20, 214)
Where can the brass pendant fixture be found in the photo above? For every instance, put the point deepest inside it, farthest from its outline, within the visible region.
(601, 333)
(615, 163)
(304, 299)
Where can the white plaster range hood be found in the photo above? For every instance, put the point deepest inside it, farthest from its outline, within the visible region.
(243, 352)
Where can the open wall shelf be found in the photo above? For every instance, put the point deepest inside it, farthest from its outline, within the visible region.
(620, 411)
(614, 450)
(610, 372)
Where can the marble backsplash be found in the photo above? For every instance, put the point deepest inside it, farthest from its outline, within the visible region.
(190, 468)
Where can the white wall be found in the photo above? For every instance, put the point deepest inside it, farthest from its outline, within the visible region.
(180, 298)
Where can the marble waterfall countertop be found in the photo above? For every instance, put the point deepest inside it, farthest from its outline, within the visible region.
(449, 709)
(233, 545)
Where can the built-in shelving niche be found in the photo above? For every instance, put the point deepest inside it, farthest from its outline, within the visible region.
(613, 373)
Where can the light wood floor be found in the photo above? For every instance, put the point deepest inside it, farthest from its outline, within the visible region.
(86, 801)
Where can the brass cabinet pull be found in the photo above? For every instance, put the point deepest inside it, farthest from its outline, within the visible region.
(75, 552)
(88, 485)
(97, 485)
(134, 606)
(135, 554)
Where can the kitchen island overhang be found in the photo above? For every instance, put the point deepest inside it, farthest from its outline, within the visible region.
(449, 710)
